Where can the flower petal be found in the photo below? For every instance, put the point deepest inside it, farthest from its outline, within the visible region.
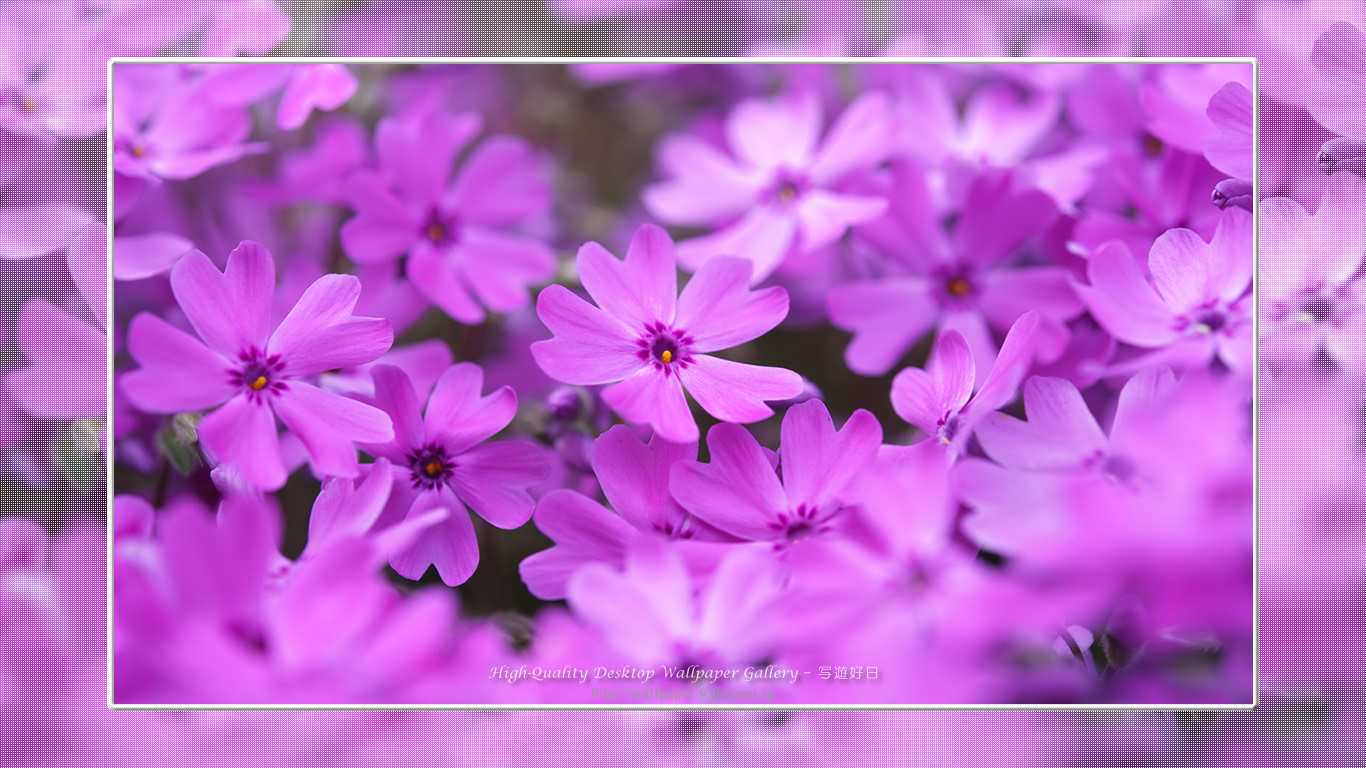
(819, 462)
(314, 86)
(861, 138)
(503, 182)
(634, 476)
(590, 346)
(230, 309)
(418, 154)
(737, 392)
(320, 333)
(738, 492)
(584, 532)
(1122, 301)
(651, 397)
(1061, 432)
(507, 265)
(823, 217)
(450, 545)
(439, 277)
(242, 436)
(718, 310)
(141, 256)
(177, 372)
(706, 187)
(459, 417)
(641, 290)
(394, 394)
(886, 317)
(782, 132)
(764, 237)
(494, 480)
(330, 425)
(65, 377)
(1017, 353)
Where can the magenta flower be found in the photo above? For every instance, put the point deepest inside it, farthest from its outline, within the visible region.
(166, 127)
(635, 479)
(740, 491)
(652, 613)
(1197, 306)
(652, 341)
(940, 400)
(440, 460)
(779, 192)
(304, 87)
(66, 373)
(1313, 297)
(964, 282)
(256, 374)
(457, 233)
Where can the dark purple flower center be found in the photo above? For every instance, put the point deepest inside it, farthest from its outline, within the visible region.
(258, 375)
(680, 530)
(1212, 321)
(430, 466)
(805, 520)
(665, 348)
(1317, 309)
(441, 228)
(948, 428)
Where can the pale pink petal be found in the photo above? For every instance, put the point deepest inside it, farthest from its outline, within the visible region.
(1061, 432)
(314, 86)
(706, 187)
(819, 462)
(503, 182)
(718, 310)
(764, 237)
(137, 257)
(502, 267)
(886, 317)
(231, 309)
(738, 491)
(823, 217)
(494, 479)
(651, 397)
(418, 154)
(641, 290)
(242, 435)
(860, 139)
(590, 346)
(65, 375)
(176, 373)
(771, 134)
(1122, 301)
(330, 425)
(459, 416)
(737, 392)
(321, 334)
(1017, 353)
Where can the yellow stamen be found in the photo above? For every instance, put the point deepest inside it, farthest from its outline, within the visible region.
(258, 383)
(1307, 318)
(959, 287)
(434, 468)
(139, 150)
(436, 233)
(1202, 328)
(29, 105)
(666, 356)
(786, 193)
(1152, 145)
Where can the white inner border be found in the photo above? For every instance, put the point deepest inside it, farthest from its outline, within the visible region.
(1138, 60)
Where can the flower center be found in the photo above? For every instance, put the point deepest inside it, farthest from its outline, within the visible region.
(958, 287)
(1152, 145)
(787, 188)
(800, 523)
(258, 374)
(664, 347)
(29, 104)
(1316, 310)
(430, 466)
(439, 228)
(1210, 322)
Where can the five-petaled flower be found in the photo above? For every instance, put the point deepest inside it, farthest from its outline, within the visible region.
(256, 374)
(650, 342)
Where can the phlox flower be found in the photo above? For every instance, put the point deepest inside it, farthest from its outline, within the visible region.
(440, 460)
(741, 493)
(166, 126)
(1339, 55)
(1198, 304)
(256, 374)
(779, 191)
(968, 281)
(652, 614)
(940, 399)
(458, 233)
(650, 342)
(634, 476)
(1312, 294)
(304, 87)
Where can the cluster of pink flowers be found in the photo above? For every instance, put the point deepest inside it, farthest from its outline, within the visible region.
(790, 384)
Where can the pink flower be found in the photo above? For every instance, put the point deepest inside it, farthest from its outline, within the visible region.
(256, 374)
(779, 190)
(652, 341)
